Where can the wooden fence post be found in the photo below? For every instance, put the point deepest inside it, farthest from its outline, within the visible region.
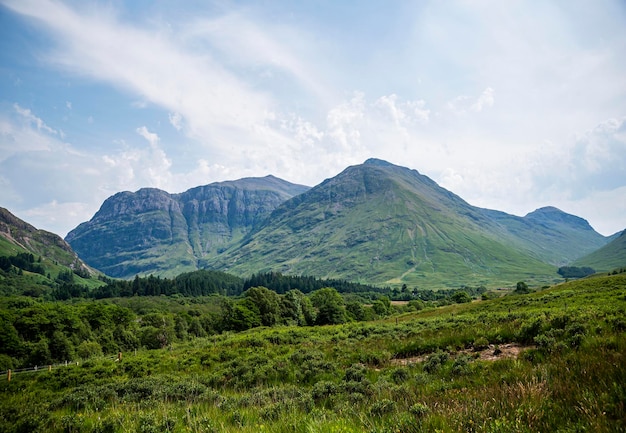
(50, 368)
(119, 356)
(9, 375)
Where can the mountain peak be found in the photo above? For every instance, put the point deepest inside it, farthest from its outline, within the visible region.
(377, 162)
(551, 214)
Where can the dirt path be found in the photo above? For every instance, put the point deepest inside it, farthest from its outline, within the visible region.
(504, 351)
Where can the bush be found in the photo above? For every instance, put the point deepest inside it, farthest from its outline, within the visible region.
(419, 410)
(382, 407)
(435, 361)
(400, 375)
(481, 343)
(355, 373)
(88, 349)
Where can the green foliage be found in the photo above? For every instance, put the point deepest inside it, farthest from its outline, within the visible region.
(575, 272)
(461, 297)
(521, 288)
(424, 372)
(330, 306)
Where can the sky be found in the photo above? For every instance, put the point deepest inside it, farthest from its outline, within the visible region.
(511, 105)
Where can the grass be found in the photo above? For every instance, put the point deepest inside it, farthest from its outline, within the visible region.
(570, 377)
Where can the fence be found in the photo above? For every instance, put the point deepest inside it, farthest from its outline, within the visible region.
(10, 372)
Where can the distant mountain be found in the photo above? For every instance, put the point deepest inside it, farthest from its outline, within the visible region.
(153, 232)
(549, 234)
(17, 236)
(609, 257)
(381, 223)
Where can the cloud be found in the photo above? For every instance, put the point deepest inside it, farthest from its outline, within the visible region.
(579, 176)
(151, 137)
(28, 115)
(176, 120)
(463, 103)
(95, 43)
(486, 99)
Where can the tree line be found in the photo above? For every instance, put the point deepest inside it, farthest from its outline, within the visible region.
(36, 332)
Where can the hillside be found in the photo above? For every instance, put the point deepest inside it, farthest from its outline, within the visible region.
(152, 231)
(549, 361)
(607, 258)
(36, 262)
(17, 236)
(381, 223)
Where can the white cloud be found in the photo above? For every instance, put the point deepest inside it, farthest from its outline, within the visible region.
(485, 100)
(40, 124)
(151, 137)
(463, 103)
(176, 120)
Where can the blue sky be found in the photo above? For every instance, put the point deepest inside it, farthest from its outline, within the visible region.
(511, 105)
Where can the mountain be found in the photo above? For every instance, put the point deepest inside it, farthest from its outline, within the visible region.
(549, 234)
(17, 236)
(152, 231)
(374, 223)
(609, 257)
(381, 223)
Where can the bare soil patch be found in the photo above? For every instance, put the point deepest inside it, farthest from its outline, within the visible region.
(492, 353)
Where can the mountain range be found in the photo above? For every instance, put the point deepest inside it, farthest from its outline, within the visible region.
(375, 222)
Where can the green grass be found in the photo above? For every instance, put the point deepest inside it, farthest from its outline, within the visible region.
(351, 378)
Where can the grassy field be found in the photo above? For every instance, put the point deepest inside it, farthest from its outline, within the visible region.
(553, 360)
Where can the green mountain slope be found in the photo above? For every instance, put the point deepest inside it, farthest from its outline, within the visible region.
(35, 262)
(380, 223)
(549, 234)
(607, 258)
(152, 231)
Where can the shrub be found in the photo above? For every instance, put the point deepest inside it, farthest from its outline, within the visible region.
(435, 361)
(400, 375)
(323, 390)
(419, 410)
(461, 365)
(481, 343)
(382, 407)
(355, 373)
(89, 349)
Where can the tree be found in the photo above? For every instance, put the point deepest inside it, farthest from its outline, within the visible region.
(244, 315)
(330, 306)
(355, 310)
(382, 306)
(461, 297)
(521, 288)
(267, 303)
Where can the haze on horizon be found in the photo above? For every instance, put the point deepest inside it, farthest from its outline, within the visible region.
(511, 105)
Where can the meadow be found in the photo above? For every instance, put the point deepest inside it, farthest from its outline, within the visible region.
(551, 360)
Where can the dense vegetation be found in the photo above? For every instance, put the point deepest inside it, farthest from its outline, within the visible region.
(36, 332)
(575, 272)
(451, 368)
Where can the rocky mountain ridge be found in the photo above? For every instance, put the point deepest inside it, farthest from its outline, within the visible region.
(153, 231)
